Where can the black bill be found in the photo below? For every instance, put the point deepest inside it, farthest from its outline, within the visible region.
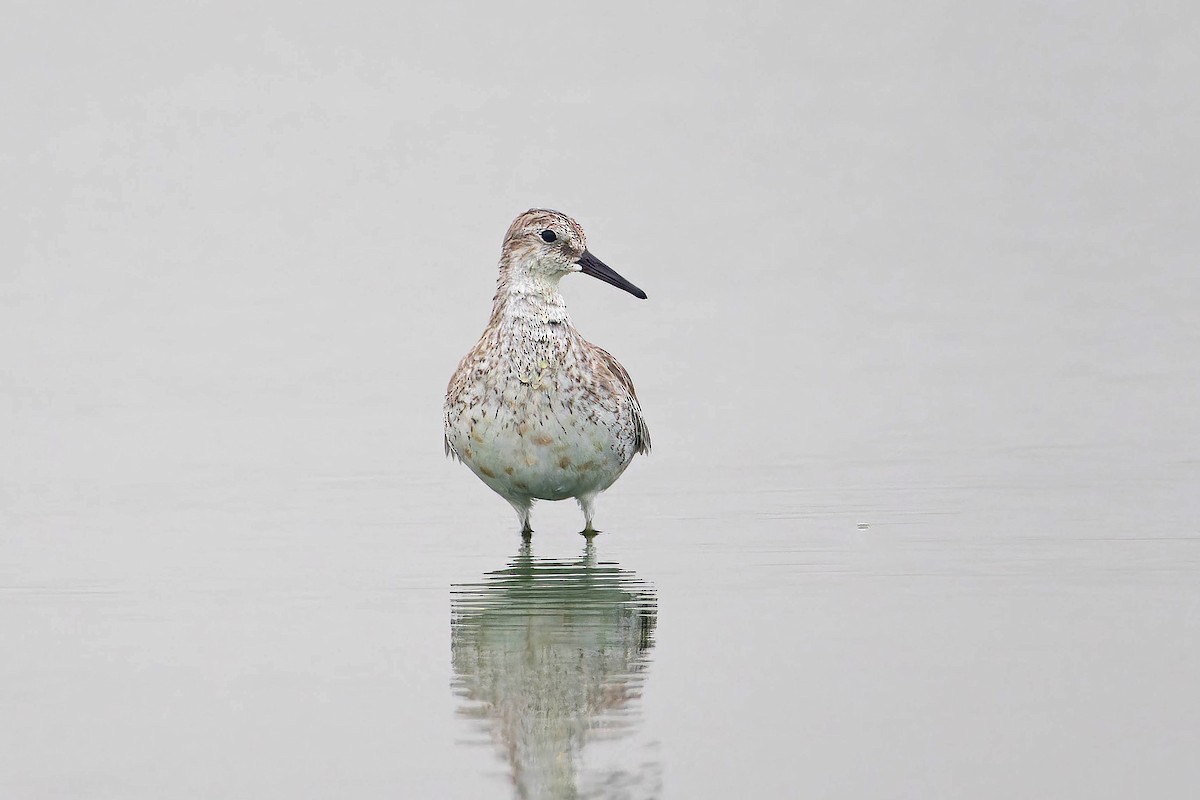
(598, 269)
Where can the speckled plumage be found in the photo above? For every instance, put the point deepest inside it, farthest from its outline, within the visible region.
(534, 409)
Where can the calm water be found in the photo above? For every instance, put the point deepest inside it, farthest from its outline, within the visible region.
(921, 362)
(986, 634)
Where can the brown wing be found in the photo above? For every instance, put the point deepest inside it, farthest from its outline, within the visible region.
(641, 433)
(457, 387)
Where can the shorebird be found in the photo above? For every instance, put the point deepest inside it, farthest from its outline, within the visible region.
(534, 409)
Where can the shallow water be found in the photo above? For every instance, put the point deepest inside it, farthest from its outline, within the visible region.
(919, 360)
(261, 637)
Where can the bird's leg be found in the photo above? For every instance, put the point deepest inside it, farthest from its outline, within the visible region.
(523, 506)
(585, 504)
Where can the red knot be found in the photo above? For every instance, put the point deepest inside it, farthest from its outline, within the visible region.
(534, 409)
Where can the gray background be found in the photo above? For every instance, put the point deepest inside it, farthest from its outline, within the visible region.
(926, 268)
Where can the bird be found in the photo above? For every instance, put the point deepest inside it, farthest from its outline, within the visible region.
(536, 411)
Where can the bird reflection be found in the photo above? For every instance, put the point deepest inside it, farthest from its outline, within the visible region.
(549, 656)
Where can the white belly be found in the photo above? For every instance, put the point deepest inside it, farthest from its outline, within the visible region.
(537, 447)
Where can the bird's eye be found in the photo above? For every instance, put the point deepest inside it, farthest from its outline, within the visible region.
(548, 236)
